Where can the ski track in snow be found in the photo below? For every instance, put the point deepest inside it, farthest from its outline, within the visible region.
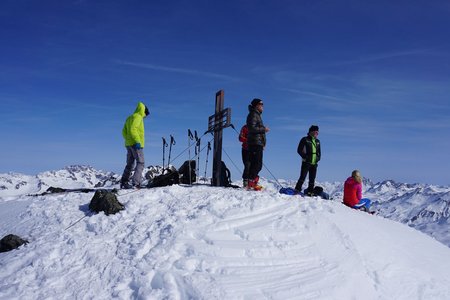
(200, 242)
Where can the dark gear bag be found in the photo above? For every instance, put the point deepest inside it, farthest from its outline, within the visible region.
(318, 191)
(11, 242)
(169, 177)
(184, 172)
(105, 201)
(225, 176)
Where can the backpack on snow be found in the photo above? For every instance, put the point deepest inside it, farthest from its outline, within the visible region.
(225, 176)
(11, 242)
(169, 177)
(184, 172)
(318, 191)
(105, 201)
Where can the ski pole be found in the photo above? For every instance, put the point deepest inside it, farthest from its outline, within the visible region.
(164, 152)
(273, 176)
(207, 154)
(197, 139)
(172, 142)
(190, 137)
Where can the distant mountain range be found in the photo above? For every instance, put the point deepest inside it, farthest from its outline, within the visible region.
(16, 184)
(421, 206)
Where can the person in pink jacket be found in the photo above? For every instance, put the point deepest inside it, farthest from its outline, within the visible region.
(353, 192)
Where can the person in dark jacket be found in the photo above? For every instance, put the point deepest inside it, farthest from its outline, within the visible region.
(256, 140)
(309, 150)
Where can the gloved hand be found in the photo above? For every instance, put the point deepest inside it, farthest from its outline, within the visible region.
(137, 146)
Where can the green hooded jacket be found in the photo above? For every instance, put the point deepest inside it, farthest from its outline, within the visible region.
(133, 130)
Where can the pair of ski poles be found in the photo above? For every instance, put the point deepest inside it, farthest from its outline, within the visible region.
(165, 145)
(191, 137)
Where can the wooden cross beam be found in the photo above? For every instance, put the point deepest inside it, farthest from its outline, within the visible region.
(216, 123)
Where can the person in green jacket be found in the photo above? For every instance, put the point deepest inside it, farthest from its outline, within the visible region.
(310, 151)
(134, 136)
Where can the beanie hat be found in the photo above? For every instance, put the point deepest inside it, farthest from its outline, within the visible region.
(256, 101)
(313, 128)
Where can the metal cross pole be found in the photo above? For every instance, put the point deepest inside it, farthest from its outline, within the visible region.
(217, 152)
(216, 123)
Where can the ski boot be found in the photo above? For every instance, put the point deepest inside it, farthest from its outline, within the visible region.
(310, 191)
(253, 184)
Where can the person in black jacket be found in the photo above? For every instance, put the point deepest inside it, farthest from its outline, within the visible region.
(256, 141)
(309, 150)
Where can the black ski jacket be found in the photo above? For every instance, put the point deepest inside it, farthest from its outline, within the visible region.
(305, 150)
(256, 128)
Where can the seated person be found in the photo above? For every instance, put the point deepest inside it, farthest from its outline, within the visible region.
(353, 192)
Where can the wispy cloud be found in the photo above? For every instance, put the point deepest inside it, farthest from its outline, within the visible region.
(309, 93)
(382, 56)
(324, 100)
(175, 70)
(368, 128)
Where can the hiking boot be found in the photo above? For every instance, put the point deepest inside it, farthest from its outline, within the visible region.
(309, 192)
(245, 183)
(253, 185)
(258, 187)
(250, 184)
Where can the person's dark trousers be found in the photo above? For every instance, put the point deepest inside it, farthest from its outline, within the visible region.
(312, 170)
(246, 162)
(256, 160)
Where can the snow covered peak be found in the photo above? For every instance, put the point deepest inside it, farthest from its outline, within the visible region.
(201, 242)
(77, 176)
(16, 184)
(424, 207)
(388, 186)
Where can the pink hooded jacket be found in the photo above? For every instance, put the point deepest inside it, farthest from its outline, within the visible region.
(352, 192)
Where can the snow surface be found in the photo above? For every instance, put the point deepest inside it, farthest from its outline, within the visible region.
(202, 242)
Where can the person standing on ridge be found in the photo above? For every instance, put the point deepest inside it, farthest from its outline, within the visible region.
(134, 135)
(245, 155)
(353, 192)
(309, 150)
(256, 141)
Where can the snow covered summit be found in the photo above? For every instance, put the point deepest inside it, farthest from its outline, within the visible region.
(200, 242)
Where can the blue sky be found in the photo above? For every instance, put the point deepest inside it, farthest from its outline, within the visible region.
(374, 75)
